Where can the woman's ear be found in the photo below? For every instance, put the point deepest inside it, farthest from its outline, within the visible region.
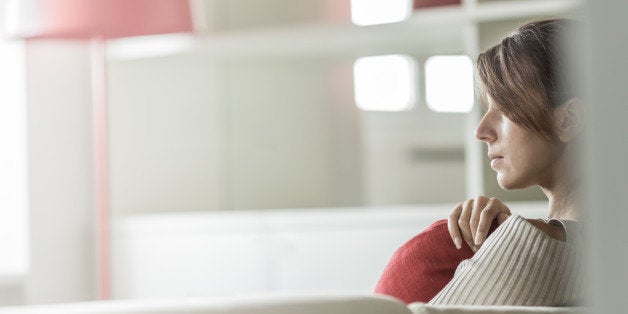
(568, 120)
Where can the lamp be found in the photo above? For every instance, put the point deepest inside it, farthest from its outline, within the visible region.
(97, 21)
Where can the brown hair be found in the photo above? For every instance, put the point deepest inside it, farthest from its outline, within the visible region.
(524, 74)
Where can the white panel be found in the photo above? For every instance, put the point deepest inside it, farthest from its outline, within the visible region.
(61, 190)
(245, 252)
(190, 265)
(348, 260)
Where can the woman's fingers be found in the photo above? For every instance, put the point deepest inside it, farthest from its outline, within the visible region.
(452, 225)
(501, 218)
(494, 209)
(478, 205)
(471, 220)
(463, 223)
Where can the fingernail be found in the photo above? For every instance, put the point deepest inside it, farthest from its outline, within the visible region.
(474, 249)
(479, 238)
(458, 243)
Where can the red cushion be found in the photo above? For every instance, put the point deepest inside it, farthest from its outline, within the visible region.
(421, 267)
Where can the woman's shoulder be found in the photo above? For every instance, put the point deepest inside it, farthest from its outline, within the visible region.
(524, 262)
(556, 231)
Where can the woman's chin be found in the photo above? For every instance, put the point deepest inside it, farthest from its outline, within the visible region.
(505, 183)
(508, 184)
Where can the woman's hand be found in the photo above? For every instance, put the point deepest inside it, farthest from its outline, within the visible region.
(470, 220)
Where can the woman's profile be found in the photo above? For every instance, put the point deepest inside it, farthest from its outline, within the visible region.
(531, 128)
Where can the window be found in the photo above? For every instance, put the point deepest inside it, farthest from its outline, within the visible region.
(449, 83)
(369, 12)
(385, 83)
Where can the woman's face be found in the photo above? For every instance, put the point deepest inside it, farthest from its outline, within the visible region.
(520, 157)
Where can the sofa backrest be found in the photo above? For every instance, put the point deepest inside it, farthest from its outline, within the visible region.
(421, 308)
(277, 304)
(330, 304)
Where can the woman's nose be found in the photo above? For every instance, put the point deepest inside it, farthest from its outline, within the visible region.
(485, 131)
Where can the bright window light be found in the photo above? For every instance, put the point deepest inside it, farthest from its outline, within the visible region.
(384, 83)
(449, 83)
(369, 12)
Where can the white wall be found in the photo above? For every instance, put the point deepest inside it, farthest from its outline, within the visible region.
(189, 132)
(195, 132)
(295, 135)
(166, 134)
(413, 157)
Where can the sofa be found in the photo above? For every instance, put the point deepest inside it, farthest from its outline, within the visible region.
(165, 263)
(221, 254)
(274, 304)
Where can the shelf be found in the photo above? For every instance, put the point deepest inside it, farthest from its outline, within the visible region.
(429, 31)
(325, 40)
(320, 40)
(496, 11)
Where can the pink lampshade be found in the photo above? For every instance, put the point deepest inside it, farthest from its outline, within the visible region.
(84, 19)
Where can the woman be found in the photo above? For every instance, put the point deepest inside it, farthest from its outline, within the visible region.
(531, 128)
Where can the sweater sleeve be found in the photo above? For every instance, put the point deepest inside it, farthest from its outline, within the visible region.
(518, 265)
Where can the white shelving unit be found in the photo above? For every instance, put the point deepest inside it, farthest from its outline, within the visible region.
(429, 30)
(230, 51)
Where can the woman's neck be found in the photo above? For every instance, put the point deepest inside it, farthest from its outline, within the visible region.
(564, 209)
(564, 203)
(563, 187)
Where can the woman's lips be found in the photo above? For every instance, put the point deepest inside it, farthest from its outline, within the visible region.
(495, 161)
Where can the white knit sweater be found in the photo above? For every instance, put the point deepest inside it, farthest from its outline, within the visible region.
(519, 264)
